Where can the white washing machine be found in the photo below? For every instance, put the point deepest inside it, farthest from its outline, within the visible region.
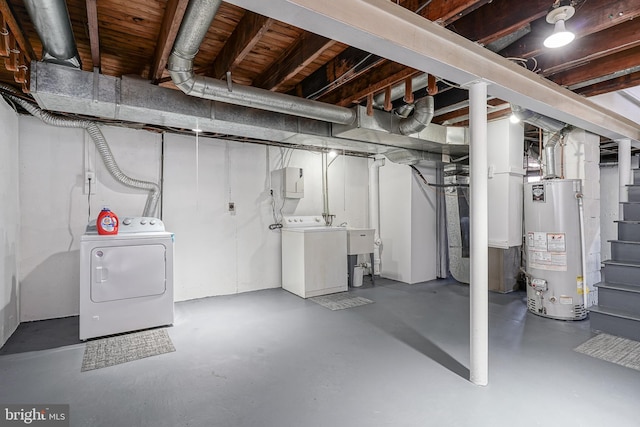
(126, 280)
(314, 257)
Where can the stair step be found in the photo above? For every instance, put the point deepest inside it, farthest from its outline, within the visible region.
(633, 192)
(615, 322)
(628, 230)
(619, 296)
(622, 250)
(631, 210)
(622, 272)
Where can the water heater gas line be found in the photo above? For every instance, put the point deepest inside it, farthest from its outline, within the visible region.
(585, 293)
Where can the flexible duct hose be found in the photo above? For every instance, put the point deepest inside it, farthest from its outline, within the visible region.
(101, 145)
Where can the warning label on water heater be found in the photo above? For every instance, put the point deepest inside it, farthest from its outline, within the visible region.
(547, 251)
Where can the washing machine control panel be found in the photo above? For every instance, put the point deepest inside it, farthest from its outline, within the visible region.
(300, 221)
(140, 224)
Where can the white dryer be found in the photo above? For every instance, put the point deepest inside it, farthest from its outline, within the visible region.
(126, 280)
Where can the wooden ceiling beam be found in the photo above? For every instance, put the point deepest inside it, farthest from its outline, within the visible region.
(494, 102)
(23, 42)
(246, 35)
(593, 16)
(386, 74)
(354, 63)
(344, 68)
(94, 38)
(173, 14)
(445, 12)
(623, 82)
(302, 53)
(609, 65)
(499, 18)
(591, 47)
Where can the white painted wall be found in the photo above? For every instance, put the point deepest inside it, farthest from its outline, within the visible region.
(407, 224)
(216, 253)
(9, 223)
(54, 208)
(219, 253)
(582, 158)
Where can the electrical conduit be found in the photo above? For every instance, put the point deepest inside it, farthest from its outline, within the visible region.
(374, 211)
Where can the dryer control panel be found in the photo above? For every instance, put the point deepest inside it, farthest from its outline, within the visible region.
(133, 224)
(140, 224)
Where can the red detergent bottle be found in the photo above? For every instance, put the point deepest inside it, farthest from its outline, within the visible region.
(107, 222)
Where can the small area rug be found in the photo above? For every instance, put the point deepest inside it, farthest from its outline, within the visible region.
(340, 301)
(622, 351)
(125, 348)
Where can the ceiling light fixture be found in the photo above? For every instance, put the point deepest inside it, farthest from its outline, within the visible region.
(560, 12)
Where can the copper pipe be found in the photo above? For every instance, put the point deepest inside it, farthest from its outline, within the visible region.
(370, 104)
(388, 106)
(408, 90)
(432, 85)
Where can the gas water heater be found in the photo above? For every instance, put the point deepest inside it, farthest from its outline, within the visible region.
(553, 249)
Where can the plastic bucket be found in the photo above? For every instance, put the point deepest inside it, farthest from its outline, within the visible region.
(358, 272)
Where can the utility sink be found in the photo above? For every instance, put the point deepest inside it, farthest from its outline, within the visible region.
(359, 241)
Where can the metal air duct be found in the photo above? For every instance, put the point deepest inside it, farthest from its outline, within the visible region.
(422, 116)
(554, 126)
(51, 21)
(196, 22)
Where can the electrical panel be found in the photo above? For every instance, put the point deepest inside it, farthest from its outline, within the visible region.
(288, 182)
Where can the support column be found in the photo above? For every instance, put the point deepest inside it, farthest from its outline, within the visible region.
(479, 220)
(624, 170)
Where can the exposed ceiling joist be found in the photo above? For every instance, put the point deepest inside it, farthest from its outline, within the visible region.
(444, 12)
(592, 47)
(591, 17)
(94, 38)
(505, 17)
(299, 56)
(387, 74)
(23, 43)
(243, 39)
(395, 33)
(173, 14)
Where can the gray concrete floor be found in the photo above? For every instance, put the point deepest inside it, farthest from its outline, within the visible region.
(269, 358)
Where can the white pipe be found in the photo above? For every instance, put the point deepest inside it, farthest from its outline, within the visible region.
(479, 219)
(583, 253)
(624, 170)
(374, 211)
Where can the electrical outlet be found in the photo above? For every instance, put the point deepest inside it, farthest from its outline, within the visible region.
(90, 182)
(232, 208)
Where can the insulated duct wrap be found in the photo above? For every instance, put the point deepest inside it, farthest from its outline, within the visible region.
(101, 145)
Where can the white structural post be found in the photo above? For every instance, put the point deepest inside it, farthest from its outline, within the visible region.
(624, 169)
(479, 220)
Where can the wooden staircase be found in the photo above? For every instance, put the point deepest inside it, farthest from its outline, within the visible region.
(618, 309)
